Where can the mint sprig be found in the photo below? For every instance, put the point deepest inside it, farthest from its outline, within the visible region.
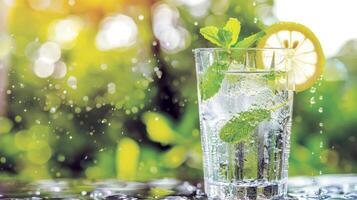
(240, 127)
(226, 38)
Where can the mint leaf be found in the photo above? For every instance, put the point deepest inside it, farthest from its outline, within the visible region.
(250, 40)
(240, 127)
(210, 33)
(225, 37)
(212, 80)
(233, 26)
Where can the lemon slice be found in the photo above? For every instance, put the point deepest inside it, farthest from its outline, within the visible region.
(303, 62)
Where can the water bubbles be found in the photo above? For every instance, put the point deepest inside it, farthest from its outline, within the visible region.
(116, 32)
(158, 72)
(313, 90)
(312, 101)
(72, 82)
(321, 110)
(111, 88)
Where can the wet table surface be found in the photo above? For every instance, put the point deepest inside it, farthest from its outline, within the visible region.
(309, 188)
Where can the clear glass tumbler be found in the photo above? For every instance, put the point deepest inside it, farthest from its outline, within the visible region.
(245, 108)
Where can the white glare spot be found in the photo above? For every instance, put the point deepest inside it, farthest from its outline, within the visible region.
(167, 30)
(116, 31)
(71, 2)
(5, 45)
(111, 88)
(197, 8)
(141, 17)
(39, 4)
(50, 52)
(66, 30)
(72, 82)
(104, 66)
(60, 70)
(43, 69)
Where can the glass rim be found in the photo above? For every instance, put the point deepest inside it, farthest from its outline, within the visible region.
(240, 48)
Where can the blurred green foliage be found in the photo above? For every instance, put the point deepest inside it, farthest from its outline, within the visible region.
(131, 112)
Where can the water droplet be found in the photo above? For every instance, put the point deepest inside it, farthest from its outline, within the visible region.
(103, 66)
(255, 20)
(321, 98)
(321, 124)
(18, 118)
(313, 90)
(158, 74)
(2, 160)
(321, 144)
(72, 82)
(53, 110)
(312, 101)
(111, 88)
(321, 110)
(85, 98)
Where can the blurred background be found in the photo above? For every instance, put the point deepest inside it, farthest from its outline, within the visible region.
(107, 89)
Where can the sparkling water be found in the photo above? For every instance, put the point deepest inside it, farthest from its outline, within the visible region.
(255, 168)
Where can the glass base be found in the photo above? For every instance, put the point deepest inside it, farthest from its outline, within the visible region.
(246, 190)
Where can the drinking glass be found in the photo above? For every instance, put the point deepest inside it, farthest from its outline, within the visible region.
(245, 110)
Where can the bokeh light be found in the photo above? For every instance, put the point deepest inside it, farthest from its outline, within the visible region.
(116, 32)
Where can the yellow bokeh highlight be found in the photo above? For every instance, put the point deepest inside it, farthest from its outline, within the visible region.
(174, 157)
(159, 129)
(128, 152)
(39, 153)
